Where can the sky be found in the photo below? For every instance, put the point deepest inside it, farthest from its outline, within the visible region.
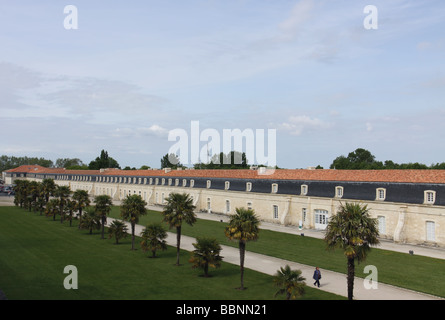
(133, 72)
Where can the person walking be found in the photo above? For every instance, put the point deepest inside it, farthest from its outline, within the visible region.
(317, 277)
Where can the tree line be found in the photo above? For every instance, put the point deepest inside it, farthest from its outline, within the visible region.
(362, 159)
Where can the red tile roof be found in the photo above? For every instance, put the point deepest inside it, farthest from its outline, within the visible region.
(407, 176)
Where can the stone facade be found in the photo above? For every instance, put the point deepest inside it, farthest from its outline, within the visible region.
(410, 207)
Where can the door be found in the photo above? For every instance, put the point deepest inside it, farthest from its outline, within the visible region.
(321, 219)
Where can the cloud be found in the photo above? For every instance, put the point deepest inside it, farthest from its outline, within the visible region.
(300, 13)
(297, 124)
(154, 131)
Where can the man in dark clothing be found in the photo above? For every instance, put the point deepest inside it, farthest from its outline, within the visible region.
(317, 277)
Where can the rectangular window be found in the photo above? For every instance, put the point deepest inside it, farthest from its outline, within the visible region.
(227, 206)
(248, 186)
(275, 212)
(304, 190)
(249, 205)
(274, 188)
(380, 194)
(304, 214)
(339, 192)
(430, 197)
(430, 231)
(381, 224)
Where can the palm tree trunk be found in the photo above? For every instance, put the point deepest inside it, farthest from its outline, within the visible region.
(80, 217)
(206, 270)
(351, 274)
(133, 225)
(103, 227)
(242, 252)
(178, 243)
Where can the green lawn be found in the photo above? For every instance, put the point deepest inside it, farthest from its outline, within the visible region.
(415, 272)
(34, 251)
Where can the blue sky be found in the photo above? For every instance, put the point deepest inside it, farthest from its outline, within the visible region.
(134, 70)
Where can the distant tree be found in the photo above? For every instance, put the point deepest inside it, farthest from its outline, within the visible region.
(144, 167)
(103, 162)
(231, 160)
(170, 161)
(10, 162)
(68, 163)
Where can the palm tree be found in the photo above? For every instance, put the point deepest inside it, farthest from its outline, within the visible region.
(62, 192)
(90, 220)
(70, 207)
(179, 209)
(132, 208)
(102, 209)
(21, 192)
(290, 282)
(206, 254)
(354, 231)
(118, 230)
(49, 187)
(52, 208)
(153, 238)
(82, 201)
(243, 226)
(33, 193)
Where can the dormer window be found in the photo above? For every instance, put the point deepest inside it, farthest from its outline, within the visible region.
(227, 185)
(209, 183)
(430, 197)
(248, 186)
(274, 187)
(380, 194)
(304, 189)
(339, 192)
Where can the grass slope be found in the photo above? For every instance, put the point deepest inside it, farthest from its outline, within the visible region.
(34, 251)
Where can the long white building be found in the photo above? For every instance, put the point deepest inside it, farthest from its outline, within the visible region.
(409, 204)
